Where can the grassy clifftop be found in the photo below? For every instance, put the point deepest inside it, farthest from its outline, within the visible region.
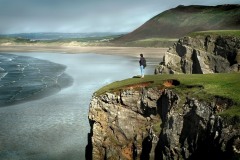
(203, 87)
(231, 33)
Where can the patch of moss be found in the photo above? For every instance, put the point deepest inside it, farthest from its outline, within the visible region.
(157, 127)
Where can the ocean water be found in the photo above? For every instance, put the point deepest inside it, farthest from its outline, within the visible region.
(25, 78)
(55, 126)
(59, 36)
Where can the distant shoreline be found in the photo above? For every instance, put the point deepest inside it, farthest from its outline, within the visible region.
(149, 52)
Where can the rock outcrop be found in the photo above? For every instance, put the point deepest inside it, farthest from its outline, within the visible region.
(157, 123)
(202, 55)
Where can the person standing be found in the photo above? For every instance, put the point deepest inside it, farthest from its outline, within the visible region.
(142, 63)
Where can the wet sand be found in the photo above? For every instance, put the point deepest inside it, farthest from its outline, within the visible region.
(149, 52)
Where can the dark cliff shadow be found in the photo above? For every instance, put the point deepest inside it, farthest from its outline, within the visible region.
(229, 154)
(89, 147)
(162, 110)
(196, 68)
(147, 111)
(159, 148)
(146, 148)
(163, 107)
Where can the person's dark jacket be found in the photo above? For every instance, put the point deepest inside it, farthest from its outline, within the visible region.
(142, 61)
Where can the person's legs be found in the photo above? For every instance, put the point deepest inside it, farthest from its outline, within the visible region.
(142, 71)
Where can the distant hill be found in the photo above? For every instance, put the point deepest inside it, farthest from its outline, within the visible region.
(179, 21)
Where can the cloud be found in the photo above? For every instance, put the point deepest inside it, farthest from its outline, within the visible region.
(84, 15)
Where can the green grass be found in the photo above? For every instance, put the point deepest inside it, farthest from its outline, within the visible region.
(201, 86)
(234, 33)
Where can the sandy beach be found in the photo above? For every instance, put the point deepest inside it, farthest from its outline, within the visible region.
(124, 51)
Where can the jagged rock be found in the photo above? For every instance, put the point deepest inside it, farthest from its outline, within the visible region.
(159, 124)
(202, 55)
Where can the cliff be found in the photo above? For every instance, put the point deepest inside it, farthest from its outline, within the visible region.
(202, 53)
(166, 121)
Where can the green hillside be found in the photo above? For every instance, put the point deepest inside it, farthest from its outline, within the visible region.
(179, 21)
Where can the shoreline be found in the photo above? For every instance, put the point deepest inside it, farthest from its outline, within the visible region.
(148, 52)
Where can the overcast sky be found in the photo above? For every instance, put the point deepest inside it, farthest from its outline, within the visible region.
(71, 16)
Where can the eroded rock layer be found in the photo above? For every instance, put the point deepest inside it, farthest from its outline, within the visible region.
(157, 123)
(202, 55)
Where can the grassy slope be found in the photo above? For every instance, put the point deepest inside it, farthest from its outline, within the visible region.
(224, 85)
(182, 20)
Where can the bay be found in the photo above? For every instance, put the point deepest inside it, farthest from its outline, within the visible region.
(56, 127)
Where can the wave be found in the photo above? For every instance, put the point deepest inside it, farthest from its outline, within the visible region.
(25, 78)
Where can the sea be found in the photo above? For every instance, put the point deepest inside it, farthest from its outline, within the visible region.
(45, 97)
(60, 36)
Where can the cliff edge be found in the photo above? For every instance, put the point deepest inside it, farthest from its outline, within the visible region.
(164, 121)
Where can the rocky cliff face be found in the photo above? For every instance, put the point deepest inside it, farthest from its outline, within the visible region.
(201, 55)
(155, 123)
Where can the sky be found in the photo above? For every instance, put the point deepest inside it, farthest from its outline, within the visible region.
(85, 16)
